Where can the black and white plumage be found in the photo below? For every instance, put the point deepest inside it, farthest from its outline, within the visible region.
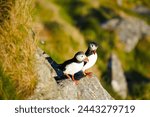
(74, 65)
(92, 56)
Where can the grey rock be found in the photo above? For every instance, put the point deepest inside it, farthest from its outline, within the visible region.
(142, 10)
(111, 24)
(130, 30)
(87, 89)
(118, 80)
(48, 88)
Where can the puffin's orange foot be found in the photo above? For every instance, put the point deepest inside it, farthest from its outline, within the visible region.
(76, 82)
(89, 74)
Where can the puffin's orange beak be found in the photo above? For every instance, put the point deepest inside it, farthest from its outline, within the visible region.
(86, 59)
(94, 51)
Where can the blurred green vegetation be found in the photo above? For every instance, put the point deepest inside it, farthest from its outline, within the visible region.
(86, 16)
(7, 89)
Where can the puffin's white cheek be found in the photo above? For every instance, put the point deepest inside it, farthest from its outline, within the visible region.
(79, 59)
(94, 48)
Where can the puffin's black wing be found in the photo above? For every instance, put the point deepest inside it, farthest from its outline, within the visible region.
(63, 65)
(57, 67)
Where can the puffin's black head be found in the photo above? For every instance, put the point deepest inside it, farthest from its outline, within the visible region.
(80, 57)
(93, 47)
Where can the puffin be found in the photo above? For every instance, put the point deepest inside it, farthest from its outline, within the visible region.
(92, 57)
(74, 65)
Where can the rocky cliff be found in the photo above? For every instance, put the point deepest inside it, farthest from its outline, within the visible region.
(50, 89)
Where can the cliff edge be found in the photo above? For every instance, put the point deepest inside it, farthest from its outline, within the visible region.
(48, 88)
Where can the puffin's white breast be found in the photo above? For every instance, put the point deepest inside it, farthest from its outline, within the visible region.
(73, 68)
(92, 60)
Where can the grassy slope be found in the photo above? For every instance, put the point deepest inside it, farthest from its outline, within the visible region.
(17, 76)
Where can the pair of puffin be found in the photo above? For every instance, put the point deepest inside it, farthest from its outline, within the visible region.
(80, 61)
